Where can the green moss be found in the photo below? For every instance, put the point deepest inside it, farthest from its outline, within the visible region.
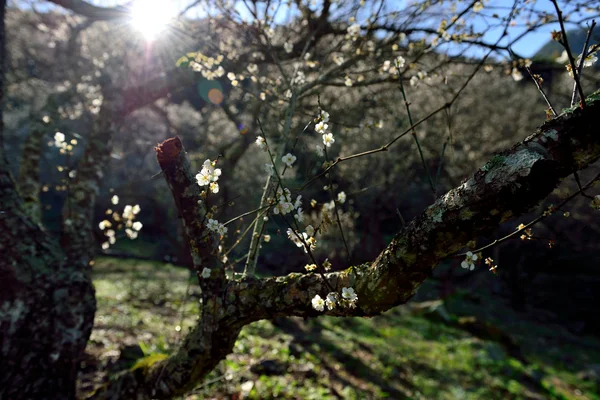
(496, 161)
(148, 361)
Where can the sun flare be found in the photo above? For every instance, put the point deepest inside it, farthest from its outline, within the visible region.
(151, 17)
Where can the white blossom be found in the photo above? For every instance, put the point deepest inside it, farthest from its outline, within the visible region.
(206, 273)
(349, 296)
(310, 231)
(321, 127)
(469, 261)
(516, 74)
(288, 159)
(399, 62)
(212, 225)
(261, 143)
(299, 215)
(209, 174)
(331, 300)
(328, 139)
(318, 303)
(270, 169)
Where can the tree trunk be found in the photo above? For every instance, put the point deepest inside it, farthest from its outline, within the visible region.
(46, 303)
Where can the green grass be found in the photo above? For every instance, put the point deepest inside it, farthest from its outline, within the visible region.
(402, 354)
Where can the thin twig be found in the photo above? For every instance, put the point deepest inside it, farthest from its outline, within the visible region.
(565, 42)
(337, 214)
(543, 216)
(414, 134)
(584, 54)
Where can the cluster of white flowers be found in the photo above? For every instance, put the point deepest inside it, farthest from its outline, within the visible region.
(394, 68)
(469, 261)
(60, 142)
(299, 79)
(206, 66)
(129, 212)
(288, 47)
(124, 220)
(294, 236)
(284, 201)
(414, 81)
(321, 127)
(215, 226)
(590, 59)
(205, 273)
(349, 298)
(209, 175)
(131, 227)
(353, 31)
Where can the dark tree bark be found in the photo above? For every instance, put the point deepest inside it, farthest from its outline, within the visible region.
(46, 303)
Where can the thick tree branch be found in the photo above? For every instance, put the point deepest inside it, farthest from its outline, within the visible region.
(193, 205)
(507, 186)
(91, 11)
(135, 97)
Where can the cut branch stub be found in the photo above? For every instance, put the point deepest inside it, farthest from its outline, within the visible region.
(192, 205)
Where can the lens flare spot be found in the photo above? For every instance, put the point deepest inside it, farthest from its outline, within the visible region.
(215, 96)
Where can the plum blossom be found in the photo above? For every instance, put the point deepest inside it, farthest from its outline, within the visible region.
(328, 139)
(318, 303)
(288, 159)
(469, 261)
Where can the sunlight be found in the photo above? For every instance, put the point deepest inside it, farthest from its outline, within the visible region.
(151, 17)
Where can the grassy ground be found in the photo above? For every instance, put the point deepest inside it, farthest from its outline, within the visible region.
(418, 351)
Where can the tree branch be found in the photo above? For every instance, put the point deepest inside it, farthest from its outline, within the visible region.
(507, 186)
(91, 11)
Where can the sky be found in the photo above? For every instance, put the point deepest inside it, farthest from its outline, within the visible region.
(526, 47)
